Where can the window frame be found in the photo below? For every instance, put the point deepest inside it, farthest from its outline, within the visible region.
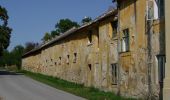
(125, 40)
(114, 73)
(90, 38)
(75, 58)
(114, 25)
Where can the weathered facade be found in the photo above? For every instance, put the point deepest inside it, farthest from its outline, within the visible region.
(115, 52)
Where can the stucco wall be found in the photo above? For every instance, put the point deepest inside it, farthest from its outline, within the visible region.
(102, 51)
(137, 68)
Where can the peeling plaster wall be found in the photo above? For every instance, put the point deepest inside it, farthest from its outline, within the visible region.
(138, 67)
(100, 53)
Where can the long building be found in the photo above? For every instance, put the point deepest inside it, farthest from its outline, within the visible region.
(115, 52)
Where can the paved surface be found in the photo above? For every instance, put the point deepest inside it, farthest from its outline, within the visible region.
(20, 87)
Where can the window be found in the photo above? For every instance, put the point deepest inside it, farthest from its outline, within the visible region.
(114, 28)
(55, 63)
(59, 60)
(89, 65)
(97, 37)
(90, 37)
(152, 9)
(114, 73)
(75, 58)
(125, 40)
(68, 56)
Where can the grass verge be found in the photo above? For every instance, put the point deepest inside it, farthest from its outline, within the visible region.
(89, 93)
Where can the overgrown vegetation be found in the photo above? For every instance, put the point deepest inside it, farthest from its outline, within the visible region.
(77, 89)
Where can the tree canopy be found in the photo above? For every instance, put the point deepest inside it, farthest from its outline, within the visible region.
(86, 20)
(29, 46)
(64, 25)
(46, 37)
(12, 58)
(5, 31)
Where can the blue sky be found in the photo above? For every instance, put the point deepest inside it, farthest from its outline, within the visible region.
(30, 19)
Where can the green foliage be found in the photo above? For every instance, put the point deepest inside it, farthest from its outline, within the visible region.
(64, 25)
(12, 58)
(46, 37)
(54, 33)
(4, 16)
(5, 32)
(86, 20)
(29, 46)
(89, 93)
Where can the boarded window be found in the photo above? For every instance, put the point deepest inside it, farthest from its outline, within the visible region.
(114, 73)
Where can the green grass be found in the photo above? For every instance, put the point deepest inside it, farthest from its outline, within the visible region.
(89, 93)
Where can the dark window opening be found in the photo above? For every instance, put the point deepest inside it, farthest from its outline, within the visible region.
(114, 73)
(98, 37)
(55, 63)
(59, 60)
(89, 65)
(114, 28)
(68, 56)
(90, 36)
(75, 58)
(161, 8)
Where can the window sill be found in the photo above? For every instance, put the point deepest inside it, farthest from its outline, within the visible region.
(89, 44)
(124, 51)
(124, 54)
(114, 84)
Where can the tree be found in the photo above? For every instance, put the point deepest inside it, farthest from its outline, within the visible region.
(5, 31)
(54, 33)
(29, 46)
(86, 20)
(16, 54)
(46, 37)
(64, 25)
(12, 58)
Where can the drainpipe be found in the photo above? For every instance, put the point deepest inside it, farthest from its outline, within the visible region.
(149, 46)
(118, 46)
(161, 56)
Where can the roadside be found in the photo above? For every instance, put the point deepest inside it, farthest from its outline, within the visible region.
(89, 93)
(16, 86)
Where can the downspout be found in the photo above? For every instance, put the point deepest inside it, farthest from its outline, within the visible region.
(149, 46)
(119, 42)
